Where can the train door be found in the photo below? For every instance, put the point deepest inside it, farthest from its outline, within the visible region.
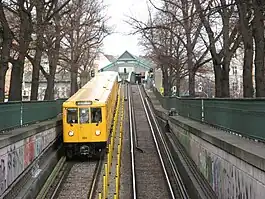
(84, 124)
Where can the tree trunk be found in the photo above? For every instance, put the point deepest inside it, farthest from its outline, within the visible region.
(15, 91)
(18, 65)
(5, 51)
(49, 92)
(191, 82)
(258, 33)
(3, 70)
(189, 48)
(53, 57)
(166, 87)
(38, 52)
(245, 10)
(165, 82)
(74, 86)
(225, 80)
(247, 69)
(35, 75)
(218, 80)
(178, 84)
(226, 58)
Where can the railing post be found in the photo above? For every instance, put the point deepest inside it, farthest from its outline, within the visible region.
(105, 189)
(21, 113)
(202, 111)
(107, 173)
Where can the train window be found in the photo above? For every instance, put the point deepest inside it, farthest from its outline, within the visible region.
(72, 115)
(84, 115)
(96, 116)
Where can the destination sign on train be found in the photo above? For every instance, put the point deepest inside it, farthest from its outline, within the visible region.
(84, 103)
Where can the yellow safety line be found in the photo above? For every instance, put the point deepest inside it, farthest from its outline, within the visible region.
(118, 165)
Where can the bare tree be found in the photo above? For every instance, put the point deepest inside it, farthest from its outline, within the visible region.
(45, 12)
(183, 27)
(221, 12)
(52, 40)
(258, 34)
(155, 40)
(85, 31)
(21, 11)
(6, 42)
(183, 14)
(245, 17)
(165, 51)
(39, 27)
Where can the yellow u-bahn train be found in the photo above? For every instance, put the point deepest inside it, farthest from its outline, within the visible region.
(88, 116)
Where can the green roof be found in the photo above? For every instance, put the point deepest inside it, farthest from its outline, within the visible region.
(127, 57)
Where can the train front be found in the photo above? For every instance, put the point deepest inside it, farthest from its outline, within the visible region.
(84, 127)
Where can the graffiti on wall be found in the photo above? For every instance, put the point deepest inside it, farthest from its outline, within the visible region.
(15, 164)
(3, 170)
(15, 158)
(227, 179)
(29, 150)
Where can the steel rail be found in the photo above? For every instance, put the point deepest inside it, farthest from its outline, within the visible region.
(157, 147)
(58, 185)
(132, 147)
(181, 185)
(205, 191)
(65, 167)
(52, 177)
(96, 176)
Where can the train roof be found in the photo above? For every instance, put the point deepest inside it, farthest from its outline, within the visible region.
(97, 89)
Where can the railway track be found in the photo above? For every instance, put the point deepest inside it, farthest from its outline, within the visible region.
(203, 189)
(72, 180)
(190, 174)
(150, 177)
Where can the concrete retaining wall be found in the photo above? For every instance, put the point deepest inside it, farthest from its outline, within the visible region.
(234, 167)
(19, 148)
(229, 176)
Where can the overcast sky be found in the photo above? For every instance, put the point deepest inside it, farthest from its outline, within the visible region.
(117, 43)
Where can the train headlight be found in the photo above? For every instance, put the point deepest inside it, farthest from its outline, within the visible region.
(71, 133)
(98, 132)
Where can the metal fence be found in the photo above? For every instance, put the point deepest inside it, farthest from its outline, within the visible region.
(16, 114)
(243, 116)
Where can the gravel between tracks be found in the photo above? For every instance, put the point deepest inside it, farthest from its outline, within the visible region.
(78, 181)
(149, 174)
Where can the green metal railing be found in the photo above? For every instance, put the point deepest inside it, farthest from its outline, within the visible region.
(243, 116)
(17, 114)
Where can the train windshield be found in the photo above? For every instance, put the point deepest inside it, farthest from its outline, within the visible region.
(84, 115)
(96, 115)
(72, 116)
